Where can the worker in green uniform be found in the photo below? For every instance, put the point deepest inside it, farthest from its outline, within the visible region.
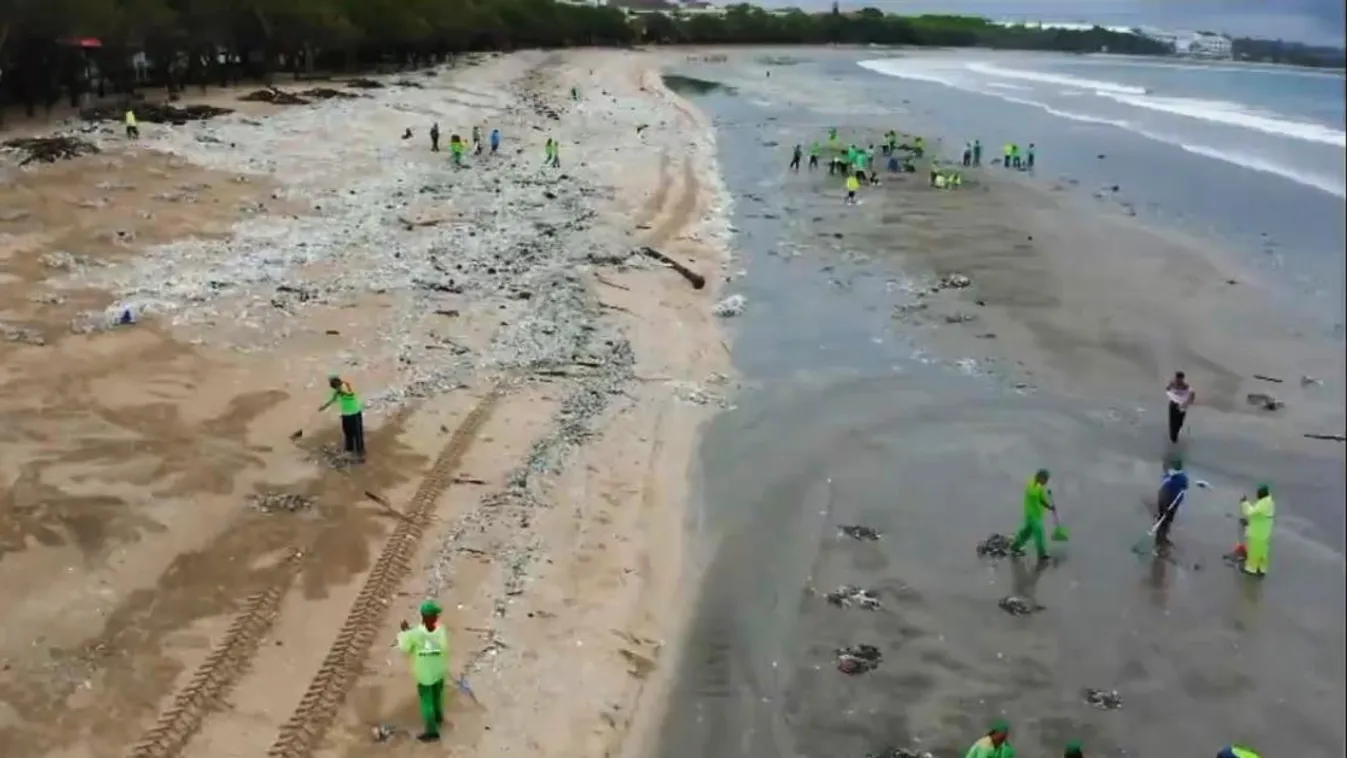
(1037, 502)
(1258, 517)
(1236, 751)
(994, 744)
(352, 415)
(427, 648)
(1074, 750)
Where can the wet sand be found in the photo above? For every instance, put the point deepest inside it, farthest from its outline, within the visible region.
(869, 406)
(533, 394)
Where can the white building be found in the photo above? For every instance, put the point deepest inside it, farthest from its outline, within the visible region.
(1203, 45)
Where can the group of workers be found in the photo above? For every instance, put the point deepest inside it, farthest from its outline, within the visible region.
(858, 165)
(458, 147)
(996, 744)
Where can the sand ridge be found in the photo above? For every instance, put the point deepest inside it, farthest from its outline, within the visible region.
(530, 425)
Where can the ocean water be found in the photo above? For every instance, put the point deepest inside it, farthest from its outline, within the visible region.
(844, 421)
(1252, 156)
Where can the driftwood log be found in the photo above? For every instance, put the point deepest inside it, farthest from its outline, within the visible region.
(1328, 437)
(695, 279)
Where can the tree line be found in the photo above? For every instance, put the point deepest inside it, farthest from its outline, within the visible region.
(50, 49)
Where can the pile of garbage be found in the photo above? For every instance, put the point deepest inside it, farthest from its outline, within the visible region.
(847, 596)
(325, 93)
(273, 96)
(280, 502)
(361, 83)
(858, 659)
(859, 533)
(153, 113)
(1018, 606)
(998, 546)
(1104, 700)
(49, 149)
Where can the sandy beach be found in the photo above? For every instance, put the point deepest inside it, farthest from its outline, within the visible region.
(180, 577)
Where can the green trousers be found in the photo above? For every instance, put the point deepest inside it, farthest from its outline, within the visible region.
(432, 705)
(1032, 528)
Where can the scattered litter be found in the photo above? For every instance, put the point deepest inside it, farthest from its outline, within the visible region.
(1309, 381)
(847, 596)
(280, 502)
(899, 752)
(857, 532)
(960, 318)
(955, 282)
(22, 335)
(858, 659)
(1104, 700)
(998, 546)
(1018, 606)
(153, 113)
(383, 732)
(1263, 378)
(1264, 401)
(730, 306)
(360, 83)
(326, 93)
(273, 96)
(49, 149)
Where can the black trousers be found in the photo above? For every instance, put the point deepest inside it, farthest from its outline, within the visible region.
(1176, 416)
(353, 433)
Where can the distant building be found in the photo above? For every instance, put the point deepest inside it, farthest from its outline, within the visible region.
(1204, 45)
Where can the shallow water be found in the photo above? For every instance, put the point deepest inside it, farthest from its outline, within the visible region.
(847, 422)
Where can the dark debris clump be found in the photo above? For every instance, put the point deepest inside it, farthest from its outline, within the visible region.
(857, 532)
(847, 596)
(998, 546)
(858, 659)
(1104, 700)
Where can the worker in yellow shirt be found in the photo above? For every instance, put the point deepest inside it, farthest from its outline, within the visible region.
(132, 130)
(853, 186)
(1236, 751)
(427, 649)
(1257, 518)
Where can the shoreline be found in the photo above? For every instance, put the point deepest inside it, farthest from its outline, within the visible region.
(860, 410)
(507, 344)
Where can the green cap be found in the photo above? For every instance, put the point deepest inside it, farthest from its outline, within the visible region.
(999, 725)
(1264, 486)
(1074, 746)
(430, 608)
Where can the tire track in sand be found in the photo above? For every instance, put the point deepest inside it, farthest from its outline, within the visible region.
(309, 723)
(229, 660)
(221, 670)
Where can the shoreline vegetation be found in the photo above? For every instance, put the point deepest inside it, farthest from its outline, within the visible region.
(79, 49)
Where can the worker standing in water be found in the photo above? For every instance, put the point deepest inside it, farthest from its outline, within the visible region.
(1029, 157)
(994, 744)
(795, 159)
(1257, 518)
(813, 155)
(1037, 502)
(427, 648)
(132, 130)
(352, 415)
(1006, 159)
(977, 152)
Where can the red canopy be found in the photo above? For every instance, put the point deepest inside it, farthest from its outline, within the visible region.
(85, 42)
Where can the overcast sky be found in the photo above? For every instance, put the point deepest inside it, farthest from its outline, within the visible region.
(1313, 21)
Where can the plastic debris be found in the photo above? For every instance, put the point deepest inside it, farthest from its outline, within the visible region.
(49, 149)
(280, 502)
(847, 596)
(1018, 606)
(730, 306)
(1104, 700)
(998, 546)
(857, 532)
(858, 659)
(899, 752)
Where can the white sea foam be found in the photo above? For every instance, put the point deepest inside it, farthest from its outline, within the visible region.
(1228, 114)
(1233, 114)
(1060, 80)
